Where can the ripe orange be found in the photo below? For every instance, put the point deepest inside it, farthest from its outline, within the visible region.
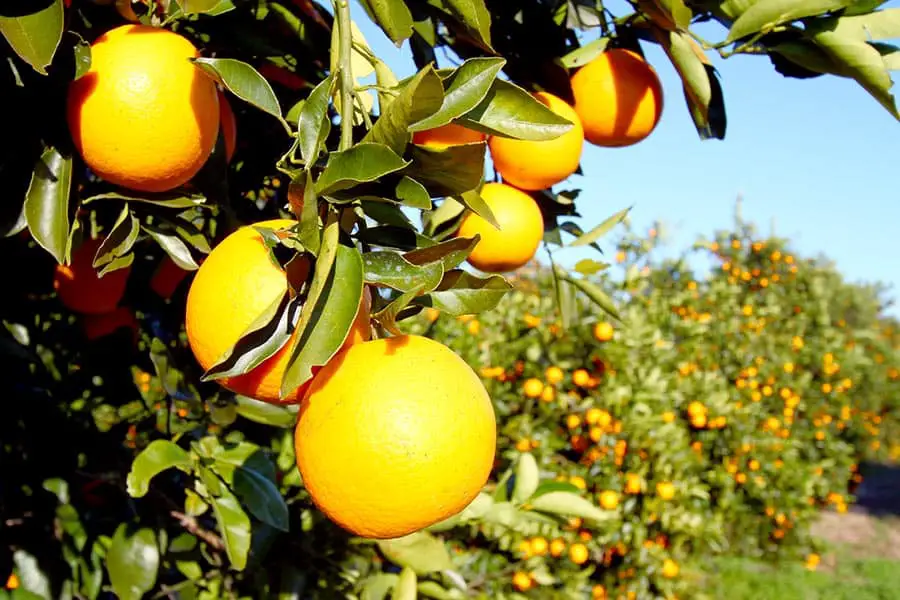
(81, 290)
(447, 135)
(522, 581)
(143, 117)
(670, 568)
(609, 499)
(578, 554)
(537, 165)
(533, 388)
(394, 435)
(521, 230)
(618, 98)
(236, 283)
(553, 375)
(603, 332)
(665, 490)
(228, 123)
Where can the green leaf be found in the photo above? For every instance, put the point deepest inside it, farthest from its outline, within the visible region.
(261, 496)
(413, 194)
(310, 234)
(362, 163)
(448, 171)
(243, 81)
(195, 7)
(165, 199)
(393, 17)
(677, 11)
(313, 125)
(391, 269)
(448, 211)
(388, 315)
(418, 99)
(173, 246)
(450, 253)
(47, 203)
(585, 54)
(878, 25)
(510, 111)
(265, 412)
(862, 62)
(474, 202)
(132, 562)
(766, 14)
(592, 291)
(462, 293)
(555, 486)
(265, 336)
(120, 240)
(406, 585)
(587, 266)
(378, 585)
(570, 505)
(332, 317)
(432, 589)
(158, 456)
(234, 525)
(31, 577)
(602, 229)
(464, 89)
(527, 478)
(35, 37)
(420, 551)
(474, 15)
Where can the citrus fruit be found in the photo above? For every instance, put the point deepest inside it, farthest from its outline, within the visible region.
(670, 568)
(665, 490)
(98, 326)
(618, 98)
(520, 233)
(537, 165)
(603, 331)
(394, 435)
(447, 135)
(79, 287)
(228, 123)
(236, 283)
(166, 278)
(143, 117)
(609, 499)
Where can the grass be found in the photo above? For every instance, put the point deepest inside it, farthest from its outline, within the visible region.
(851, 579)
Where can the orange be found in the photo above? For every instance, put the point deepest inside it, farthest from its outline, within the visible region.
(609, 499)
(97, 326)
(533, 388)
(557, 547)
(521, 230)
(394, 435)
(81, 290)
(665, 490)
(522, 581)
(228, 123)
(618, 98)
(670, 568)
(539, 546)
(633, 483)
(144, 117)
(578, 554)
(447, 135)
(167, 277)
(537, 165)
(603, 332)
(235, 284)
(554, 375)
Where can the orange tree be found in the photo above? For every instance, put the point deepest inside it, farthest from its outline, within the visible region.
(143, 135)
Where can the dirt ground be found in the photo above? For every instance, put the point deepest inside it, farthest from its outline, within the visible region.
(871, 529)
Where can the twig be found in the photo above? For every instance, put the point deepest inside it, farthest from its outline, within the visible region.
(191, 526)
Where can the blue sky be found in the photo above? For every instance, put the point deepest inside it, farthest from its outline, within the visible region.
(815, 156)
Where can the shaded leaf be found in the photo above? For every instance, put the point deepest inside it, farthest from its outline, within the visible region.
(330, 320)
(35, 37)
(463, 90)
(420, 551)
(474, 15)
(362, 163)
(47, 203)
(165, 200)
(313, 124)
(462, 293)
(448, 211)
(585, 54)
(448, 171)
(158, 456)
(243, 81)
(261, 496)
(419, 98)
(393, 17)
(234, 525)
(509, 111)
(450, 253)
(391, 236)
(132, 562)
(173, 245)
(413, 194)
(389, 315)
(120, 240)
